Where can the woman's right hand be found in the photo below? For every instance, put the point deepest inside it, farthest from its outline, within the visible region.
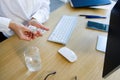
(21, 31)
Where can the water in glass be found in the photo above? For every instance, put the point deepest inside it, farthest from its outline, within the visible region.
(32, 58)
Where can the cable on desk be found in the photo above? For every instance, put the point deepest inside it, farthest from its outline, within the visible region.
(75, 77)
(49, 75)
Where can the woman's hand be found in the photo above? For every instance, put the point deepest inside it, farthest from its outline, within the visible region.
(35, 23)
(21, 31)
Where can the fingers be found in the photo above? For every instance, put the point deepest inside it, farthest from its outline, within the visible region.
(43, 27)
(38, 34)
(26, 36)
(30, 35)
(35, 23)
(37, 31)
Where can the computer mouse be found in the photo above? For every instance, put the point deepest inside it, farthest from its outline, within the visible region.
(68, 54)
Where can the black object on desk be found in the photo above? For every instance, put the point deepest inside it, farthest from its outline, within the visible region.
(2, 37)
(93, 16)
(112, 54)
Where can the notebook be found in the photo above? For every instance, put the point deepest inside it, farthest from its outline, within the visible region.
(88, 3)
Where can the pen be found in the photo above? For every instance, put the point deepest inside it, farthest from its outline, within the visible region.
(93, 16)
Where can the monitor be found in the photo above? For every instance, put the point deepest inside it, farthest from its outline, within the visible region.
(112, 54)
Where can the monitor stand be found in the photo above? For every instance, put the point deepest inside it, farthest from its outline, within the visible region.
(101, 43)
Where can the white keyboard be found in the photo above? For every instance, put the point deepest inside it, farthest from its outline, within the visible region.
(63, 30)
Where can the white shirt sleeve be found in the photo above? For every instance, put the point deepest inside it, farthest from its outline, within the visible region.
(42, 14)
(4, 23)
(4, 26)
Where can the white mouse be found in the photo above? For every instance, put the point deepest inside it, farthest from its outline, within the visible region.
(68, 54)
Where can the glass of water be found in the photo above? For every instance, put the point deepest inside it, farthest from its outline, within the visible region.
(32, 58)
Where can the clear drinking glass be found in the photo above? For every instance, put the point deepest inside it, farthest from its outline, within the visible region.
(32, 58)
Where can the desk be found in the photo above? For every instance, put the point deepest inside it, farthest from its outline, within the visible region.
(83, 42)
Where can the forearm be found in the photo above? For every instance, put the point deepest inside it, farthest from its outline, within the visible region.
(12, 26)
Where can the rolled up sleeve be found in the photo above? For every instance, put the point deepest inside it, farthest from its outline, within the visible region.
(42, 14)
(4, 26)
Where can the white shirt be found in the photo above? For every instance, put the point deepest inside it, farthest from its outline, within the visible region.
(22, 11)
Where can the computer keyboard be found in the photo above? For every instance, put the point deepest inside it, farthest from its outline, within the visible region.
(63, 30)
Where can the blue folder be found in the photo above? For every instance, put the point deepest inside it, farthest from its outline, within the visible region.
(88, 3)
